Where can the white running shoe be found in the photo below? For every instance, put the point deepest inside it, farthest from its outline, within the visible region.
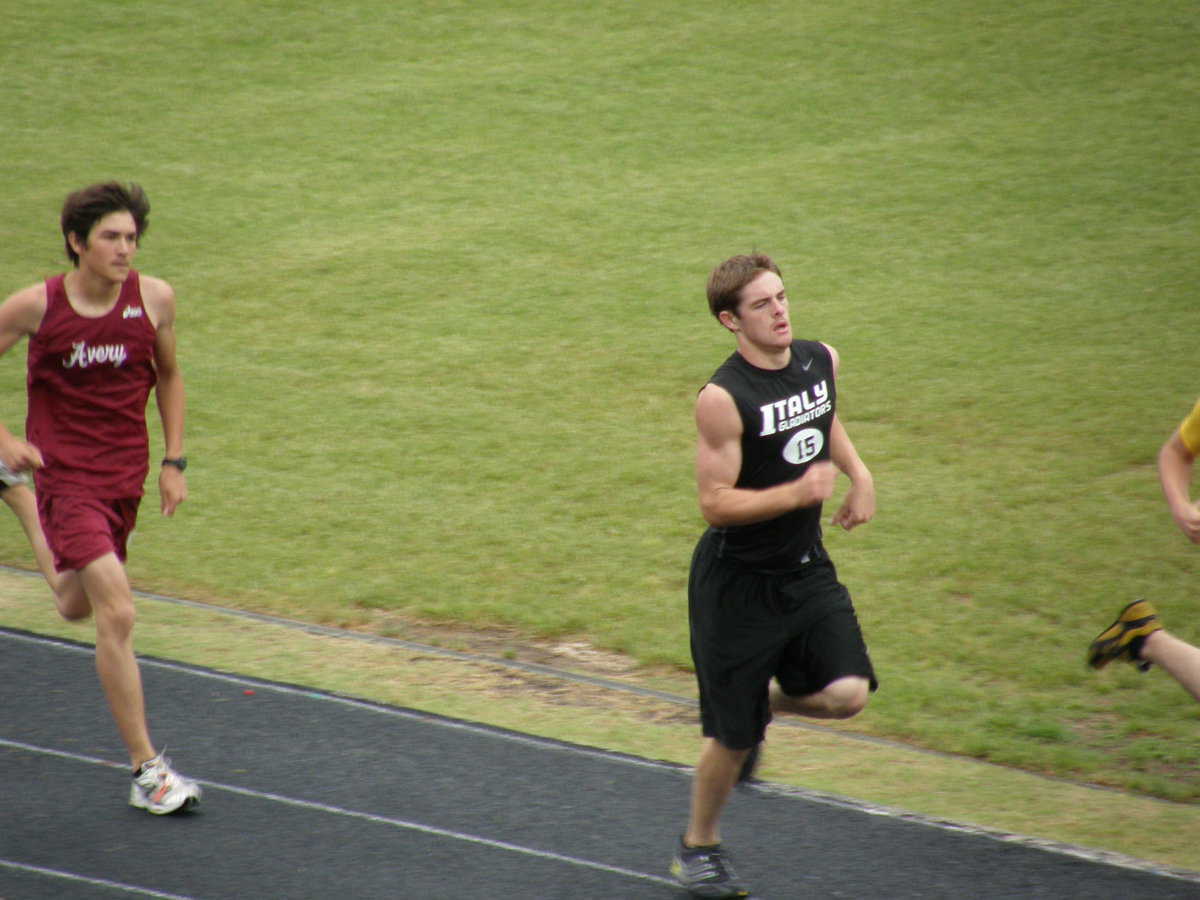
(9, 478)
(160, 789)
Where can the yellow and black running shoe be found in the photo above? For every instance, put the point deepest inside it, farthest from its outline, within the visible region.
(1123, 638)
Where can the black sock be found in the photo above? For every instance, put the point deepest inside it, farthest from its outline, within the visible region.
(1135, 647)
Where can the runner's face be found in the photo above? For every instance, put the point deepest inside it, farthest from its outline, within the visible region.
(111, 245)
(762, 313)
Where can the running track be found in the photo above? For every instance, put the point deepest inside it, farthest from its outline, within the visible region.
(310, 795)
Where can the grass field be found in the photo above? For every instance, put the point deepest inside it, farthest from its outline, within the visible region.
(440, 272)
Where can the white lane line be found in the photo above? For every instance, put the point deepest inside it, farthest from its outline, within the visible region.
(1103, 857)
(364, 816)
(366, 705)
(95, 882)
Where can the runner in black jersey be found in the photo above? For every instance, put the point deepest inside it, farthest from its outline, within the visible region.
(772, 629)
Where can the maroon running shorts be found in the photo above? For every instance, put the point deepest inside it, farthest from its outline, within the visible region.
(80, 530)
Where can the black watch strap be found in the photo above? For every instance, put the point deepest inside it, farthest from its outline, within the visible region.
(179, 462)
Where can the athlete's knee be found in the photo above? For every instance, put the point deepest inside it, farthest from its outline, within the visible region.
(839, 699)
(115, 616)
(73, 609)
(848, 696)
(69, 598)
(104, 584)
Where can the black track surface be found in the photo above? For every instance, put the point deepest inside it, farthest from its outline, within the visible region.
(313, 796)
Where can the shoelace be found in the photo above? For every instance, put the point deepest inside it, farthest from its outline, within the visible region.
(160, 766)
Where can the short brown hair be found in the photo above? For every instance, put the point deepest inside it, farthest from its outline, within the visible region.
(727, 280)
(84, 208)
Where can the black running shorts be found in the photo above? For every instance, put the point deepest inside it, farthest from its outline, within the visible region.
(747, 628)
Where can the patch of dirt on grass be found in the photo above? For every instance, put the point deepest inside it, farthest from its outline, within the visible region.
(502, 682)
(573, 655)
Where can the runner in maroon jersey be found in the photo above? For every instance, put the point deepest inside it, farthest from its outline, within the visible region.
(100, 337)
(17, 493)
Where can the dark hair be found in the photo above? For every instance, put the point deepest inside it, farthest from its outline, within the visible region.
(84, 208)
(727, 280)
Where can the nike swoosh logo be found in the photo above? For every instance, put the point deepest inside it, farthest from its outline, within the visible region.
(807, 365)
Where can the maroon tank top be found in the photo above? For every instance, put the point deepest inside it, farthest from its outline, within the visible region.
(89, 381)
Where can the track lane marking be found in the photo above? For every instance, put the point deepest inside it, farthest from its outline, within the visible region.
(95, 882)
(373, 818)
(1089, 854)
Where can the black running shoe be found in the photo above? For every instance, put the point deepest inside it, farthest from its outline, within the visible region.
(1123, 639)
(707, 873)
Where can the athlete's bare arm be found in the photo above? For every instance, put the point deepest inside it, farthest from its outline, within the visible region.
(20, 315)
(719, 462)
(159, 300)
(1175, 464)
(858, 506)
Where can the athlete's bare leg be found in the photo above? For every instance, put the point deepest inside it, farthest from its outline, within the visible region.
(718, 766)
(107, 590)
(23, 503)
(69, 597)
(1177, 658)
(839, 699)
(716, 773)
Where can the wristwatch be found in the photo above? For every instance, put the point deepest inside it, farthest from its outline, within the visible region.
(179, 463)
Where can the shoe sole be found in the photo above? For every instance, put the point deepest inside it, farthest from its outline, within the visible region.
(190, 802)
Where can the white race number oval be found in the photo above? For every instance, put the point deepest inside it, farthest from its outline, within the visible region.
(803, 446)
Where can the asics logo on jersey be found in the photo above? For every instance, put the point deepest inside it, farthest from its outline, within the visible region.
(131, 312)
(83, 356)
(784, 415)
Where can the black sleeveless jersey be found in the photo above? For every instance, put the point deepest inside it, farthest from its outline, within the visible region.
(786, 417)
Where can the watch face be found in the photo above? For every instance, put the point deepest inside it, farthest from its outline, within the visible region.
(180, 463)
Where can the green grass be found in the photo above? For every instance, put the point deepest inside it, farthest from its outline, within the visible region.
(440, 271)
